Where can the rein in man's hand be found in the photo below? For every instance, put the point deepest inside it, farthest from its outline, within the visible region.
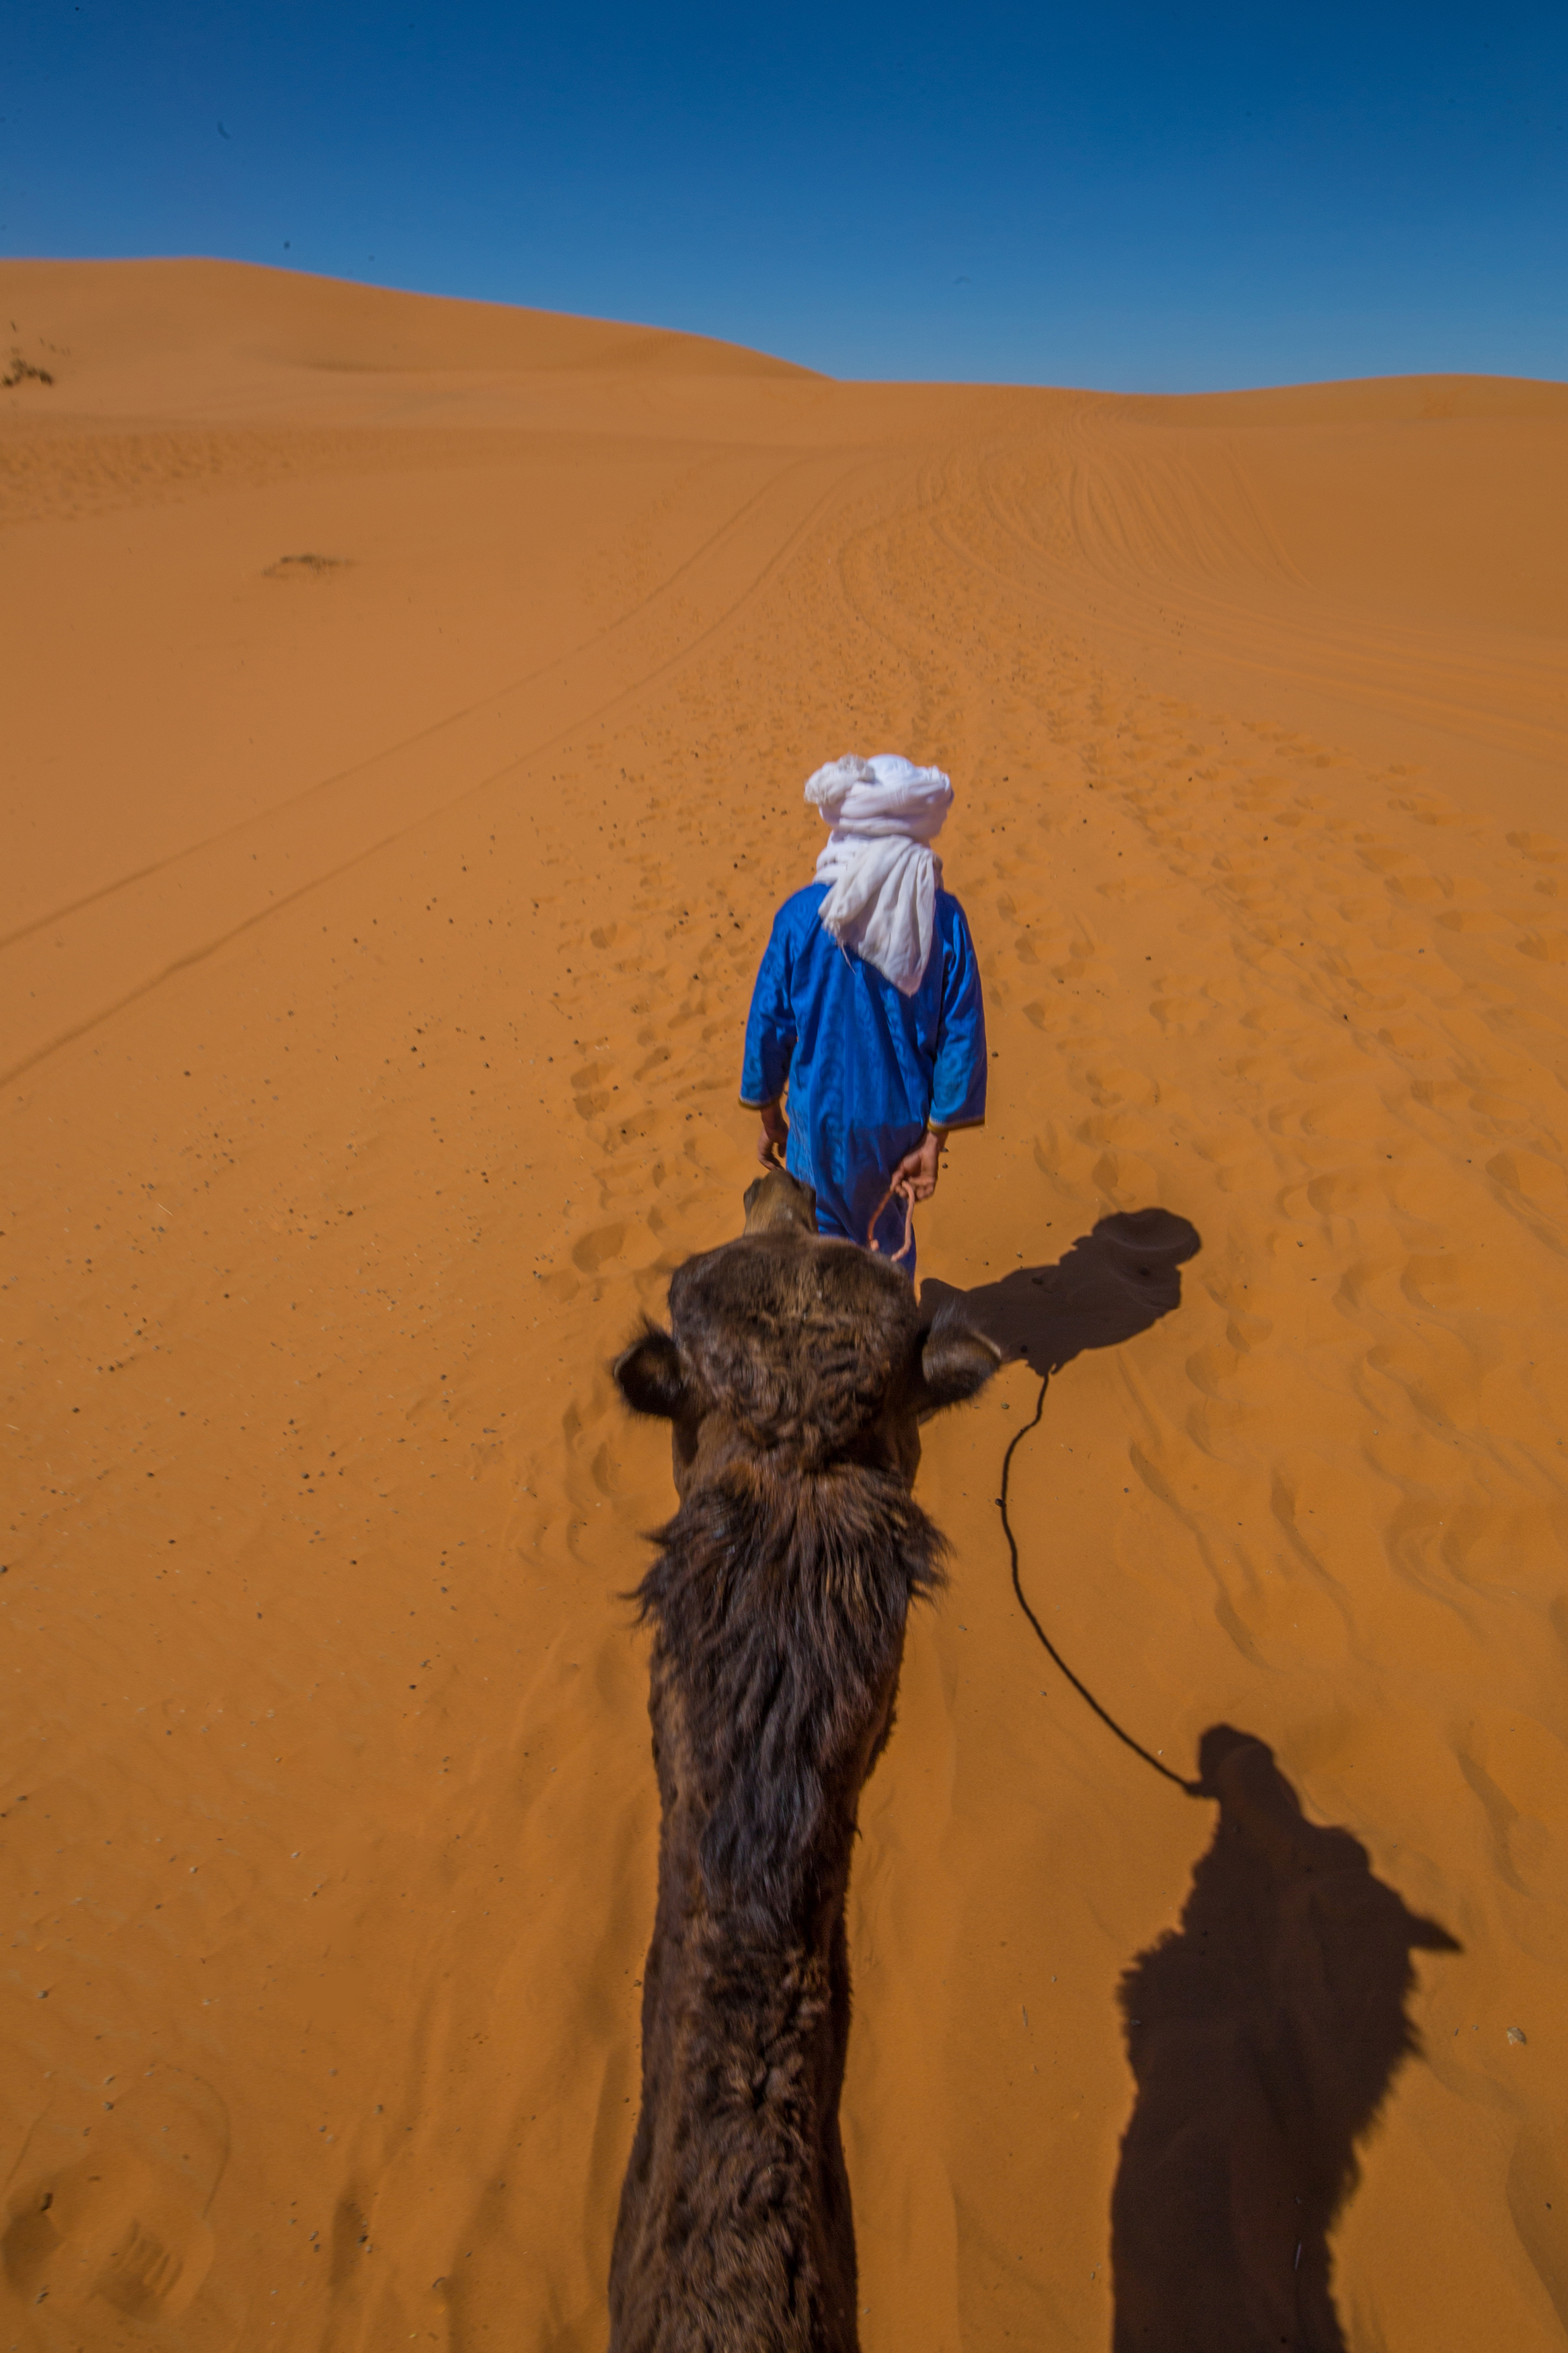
(919, 1168)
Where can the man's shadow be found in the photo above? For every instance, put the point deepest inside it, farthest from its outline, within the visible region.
(1263, 2034)
(1110, 1285)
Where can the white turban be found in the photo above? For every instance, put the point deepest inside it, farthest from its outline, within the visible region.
(881, 878)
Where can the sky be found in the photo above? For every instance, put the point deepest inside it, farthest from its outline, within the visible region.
(1116, 195)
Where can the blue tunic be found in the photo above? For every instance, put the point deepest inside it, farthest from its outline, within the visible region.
(869, 1068)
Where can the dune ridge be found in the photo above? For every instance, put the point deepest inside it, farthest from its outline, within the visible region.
(376, 940)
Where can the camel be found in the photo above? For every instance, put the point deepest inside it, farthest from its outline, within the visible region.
(794, 1376)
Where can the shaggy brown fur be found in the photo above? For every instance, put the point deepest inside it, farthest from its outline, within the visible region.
(796, 1378)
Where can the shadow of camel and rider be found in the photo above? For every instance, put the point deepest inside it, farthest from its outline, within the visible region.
(1264, 2033)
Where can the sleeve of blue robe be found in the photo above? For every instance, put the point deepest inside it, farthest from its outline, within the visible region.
(770, 1026)
(958, 1082)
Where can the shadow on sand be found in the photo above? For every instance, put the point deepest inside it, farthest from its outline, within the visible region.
(1264, 2034)
(1111, 1284)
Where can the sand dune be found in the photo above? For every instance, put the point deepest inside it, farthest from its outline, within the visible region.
(376, 934)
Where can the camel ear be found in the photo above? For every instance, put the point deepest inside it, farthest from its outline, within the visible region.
(649, 1376)
(955, 1363)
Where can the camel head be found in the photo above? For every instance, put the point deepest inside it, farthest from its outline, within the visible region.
(777, 1201)
(796, 1351)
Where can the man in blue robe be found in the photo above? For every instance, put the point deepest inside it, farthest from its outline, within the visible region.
(868, 1007)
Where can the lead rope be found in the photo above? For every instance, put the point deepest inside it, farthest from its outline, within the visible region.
(1191, 1789)
(905, 1190)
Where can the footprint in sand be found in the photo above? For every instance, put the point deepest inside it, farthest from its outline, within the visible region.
(305, 567)
(115, 2212)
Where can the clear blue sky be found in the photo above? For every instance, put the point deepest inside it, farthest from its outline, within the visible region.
(1117, 195)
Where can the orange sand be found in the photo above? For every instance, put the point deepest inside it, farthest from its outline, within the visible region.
(377, 939)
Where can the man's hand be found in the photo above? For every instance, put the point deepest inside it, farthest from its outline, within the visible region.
(772, 1136)
(918, 1168)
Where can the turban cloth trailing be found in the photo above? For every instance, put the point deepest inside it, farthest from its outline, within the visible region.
(879, 867)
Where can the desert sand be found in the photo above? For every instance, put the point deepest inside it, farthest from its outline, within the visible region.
(407, 704)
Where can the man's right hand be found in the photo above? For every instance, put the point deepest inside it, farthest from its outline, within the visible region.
(772, 1136)
(920, 1169)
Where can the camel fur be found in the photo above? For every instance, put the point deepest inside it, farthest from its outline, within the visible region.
(795, 1376)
